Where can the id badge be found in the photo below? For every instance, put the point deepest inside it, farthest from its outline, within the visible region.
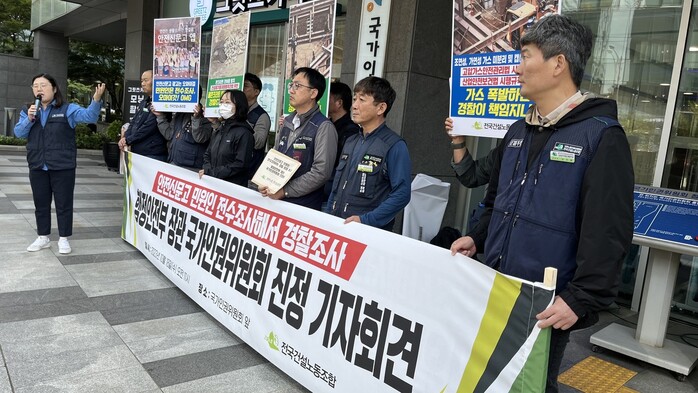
(365, 168)
(562, 156)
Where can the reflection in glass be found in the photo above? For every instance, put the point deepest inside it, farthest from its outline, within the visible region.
(632, 62)
(681, 170)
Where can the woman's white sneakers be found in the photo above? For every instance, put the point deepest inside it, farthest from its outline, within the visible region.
(64, 246)
(40, 243)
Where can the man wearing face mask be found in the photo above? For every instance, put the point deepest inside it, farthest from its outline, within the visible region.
(143, 135)
(229, 154)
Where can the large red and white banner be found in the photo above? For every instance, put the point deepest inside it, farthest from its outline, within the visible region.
(338, 307)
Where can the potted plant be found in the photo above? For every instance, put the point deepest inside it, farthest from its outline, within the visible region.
(110, 147)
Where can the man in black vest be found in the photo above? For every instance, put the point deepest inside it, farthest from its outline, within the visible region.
(372, 180)
(338, 110)
(561, 188)
(308, 137)
(258, 119)
(142, 134)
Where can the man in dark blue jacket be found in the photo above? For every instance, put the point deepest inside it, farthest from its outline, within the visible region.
(143, 135)
(372, 180)
(561, 188)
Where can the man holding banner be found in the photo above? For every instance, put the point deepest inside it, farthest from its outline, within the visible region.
(374, 168)
(308, 137)
(561, 188)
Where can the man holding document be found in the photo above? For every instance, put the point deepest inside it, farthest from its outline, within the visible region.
(308, 137)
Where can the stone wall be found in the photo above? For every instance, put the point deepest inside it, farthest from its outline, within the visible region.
(15, 80)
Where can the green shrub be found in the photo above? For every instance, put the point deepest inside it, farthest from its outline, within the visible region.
(85, 138)
(113, 132)
(11, 140)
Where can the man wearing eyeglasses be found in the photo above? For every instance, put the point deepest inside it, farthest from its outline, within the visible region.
(308, 137)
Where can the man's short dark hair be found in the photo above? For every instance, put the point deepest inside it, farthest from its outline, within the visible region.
(560, 35)
(254, 80)
(315, 80)
(343, 92)
(379, 89)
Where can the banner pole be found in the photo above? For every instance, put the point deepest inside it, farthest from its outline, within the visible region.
(550, 277)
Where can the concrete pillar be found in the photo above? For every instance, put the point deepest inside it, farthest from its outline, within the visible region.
(139, 37)
(418, 67)
(51, 49)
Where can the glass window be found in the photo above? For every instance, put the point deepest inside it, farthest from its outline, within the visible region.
(681, 169)
(631, 62)
(205, 59)
(338, 47)
(265, 58)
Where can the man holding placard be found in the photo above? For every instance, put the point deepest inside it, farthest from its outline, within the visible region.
(308, 137)
(561, 187)
(142, 134)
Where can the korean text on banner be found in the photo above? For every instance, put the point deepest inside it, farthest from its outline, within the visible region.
(338, 307)
(373, 38)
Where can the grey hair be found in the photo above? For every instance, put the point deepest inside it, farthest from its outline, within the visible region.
(560, 35)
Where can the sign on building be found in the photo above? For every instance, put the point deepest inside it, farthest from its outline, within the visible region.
(373, 38)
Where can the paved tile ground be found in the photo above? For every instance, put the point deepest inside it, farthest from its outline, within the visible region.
(104, 319)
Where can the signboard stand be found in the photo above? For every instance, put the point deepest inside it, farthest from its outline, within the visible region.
(648, 343)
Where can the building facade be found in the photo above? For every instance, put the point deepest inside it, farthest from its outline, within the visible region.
(645, 56)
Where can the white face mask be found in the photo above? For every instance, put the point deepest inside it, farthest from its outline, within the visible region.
(226, 111)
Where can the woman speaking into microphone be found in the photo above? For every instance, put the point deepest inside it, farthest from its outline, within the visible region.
(49, 125)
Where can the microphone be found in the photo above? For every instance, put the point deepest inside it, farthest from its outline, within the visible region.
(37, 102)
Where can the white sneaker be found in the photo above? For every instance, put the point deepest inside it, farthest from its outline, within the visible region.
(64, 246)
(40, 243)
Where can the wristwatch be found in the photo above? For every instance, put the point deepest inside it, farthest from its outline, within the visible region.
(455, 146)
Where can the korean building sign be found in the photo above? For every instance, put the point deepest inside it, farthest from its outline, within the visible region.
(373, 38)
